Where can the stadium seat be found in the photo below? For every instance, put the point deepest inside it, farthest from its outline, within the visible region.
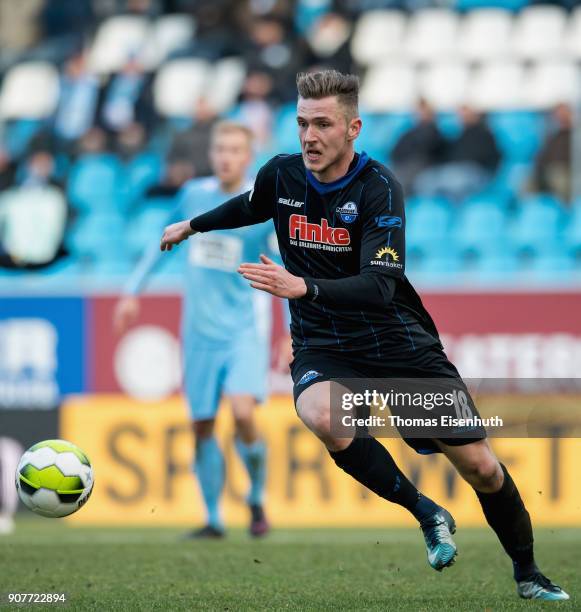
(95, 182)
(18, 133)
(573, 35)
(378, 36)
(480, 227)
(539, 33)
(518, 134)
(478, 29)
(428, 224)
(226, 80)
(117, 40)
(139, 174)
(572, 233)
(390, 87)
(285, 134)
(381, 132)
(97, 235)
(444, 85)
(146, 227)
(449, 124)
(168, 34)
(551, 82)
(509, 180)
(497, 86)
(29, 91)
(178, 85)
(431, 35)
(537, 226)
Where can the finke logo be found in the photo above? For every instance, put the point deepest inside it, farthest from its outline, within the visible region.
(290, 202)
(301, 229)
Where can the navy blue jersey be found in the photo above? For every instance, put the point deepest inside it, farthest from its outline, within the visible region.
(349, 230)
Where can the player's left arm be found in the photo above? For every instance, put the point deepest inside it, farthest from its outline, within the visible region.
(382, 258)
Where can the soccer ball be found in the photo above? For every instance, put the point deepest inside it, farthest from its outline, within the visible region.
(54, 478)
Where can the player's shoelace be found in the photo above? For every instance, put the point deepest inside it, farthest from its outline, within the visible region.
(540, 587)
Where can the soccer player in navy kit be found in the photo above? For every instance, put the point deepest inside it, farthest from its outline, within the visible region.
(340, 223)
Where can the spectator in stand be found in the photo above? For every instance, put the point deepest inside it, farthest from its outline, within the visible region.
(127, 98)
(177, 172)
(192, 145)
(254, 109)
(470, 161)
(272, 49)
(328, 39)
(552, 171)
(7, 170)
(33, 216)
(79, 94)
(421, 147)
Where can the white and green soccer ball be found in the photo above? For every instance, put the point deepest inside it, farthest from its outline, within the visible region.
(54, 478)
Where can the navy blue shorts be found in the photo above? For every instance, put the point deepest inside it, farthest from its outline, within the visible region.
(311, 366)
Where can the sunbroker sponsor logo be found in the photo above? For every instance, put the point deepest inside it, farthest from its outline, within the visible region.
(387, 257)
(290, 202)
(318, 235)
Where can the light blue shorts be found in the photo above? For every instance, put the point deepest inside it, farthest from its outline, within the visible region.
(210, 372)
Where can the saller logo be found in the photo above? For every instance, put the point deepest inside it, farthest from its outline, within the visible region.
(301, 229)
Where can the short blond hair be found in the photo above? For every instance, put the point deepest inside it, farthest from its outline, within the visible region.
(226, 126)
(325, 83)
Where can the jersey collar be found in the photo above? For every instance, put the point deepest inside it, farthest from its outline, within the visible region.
(324, 188)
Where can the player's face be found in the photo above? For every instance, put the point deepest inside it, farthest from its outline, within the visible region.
(230, 156)
(326, 134)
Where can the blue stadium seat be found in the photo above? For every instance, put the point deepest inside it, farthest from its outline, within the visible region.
(98, 236)
(18, 134)
(95, 183)
(518, 134)
(381, 132)
(146, 228)
(428, 223)
(285, 129)
(509, 180)
(449, 124)
(572, 232)
(480, 226)
(141, 173)
(509, 5)
(538, 224)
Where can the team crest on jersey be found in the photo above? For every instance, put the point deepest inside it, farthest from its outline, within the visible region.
(348, 212)
(387, 257)
(308, 376)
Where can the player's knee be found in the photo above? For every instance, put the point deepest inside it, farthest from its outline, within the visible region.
(316, 416)
(484, 474)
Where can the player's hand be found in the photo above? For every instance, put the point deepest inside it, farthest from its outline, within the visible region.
(125, 313)
(285, 354)
(174, 234)
(274, 279)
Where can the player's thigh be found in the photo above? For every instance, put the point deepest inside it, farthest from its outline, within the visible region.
(204, 373)
(313, 406)
(246, 372)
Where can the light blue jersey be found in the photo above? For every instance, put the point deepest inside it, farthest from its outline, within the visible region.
(225, 323)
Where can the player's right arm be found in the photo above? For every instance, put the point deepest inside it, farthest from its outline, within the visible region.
(254, 206)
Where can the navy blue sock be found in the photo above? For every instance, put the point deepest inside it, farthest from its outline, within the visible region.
(506, 514)
(369, 462)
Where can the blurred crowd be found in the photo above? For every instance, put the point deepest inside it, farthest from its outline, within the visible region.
(107, 137)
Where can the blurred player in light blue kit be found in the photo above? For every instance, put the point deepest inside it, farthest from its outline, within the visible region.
(224, 329)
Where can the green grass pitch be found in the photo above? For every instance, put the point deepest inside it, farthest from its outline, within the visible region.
(303, 569)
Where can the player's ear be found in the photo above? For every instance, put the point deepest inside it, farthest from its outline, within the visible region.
(354, 128)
